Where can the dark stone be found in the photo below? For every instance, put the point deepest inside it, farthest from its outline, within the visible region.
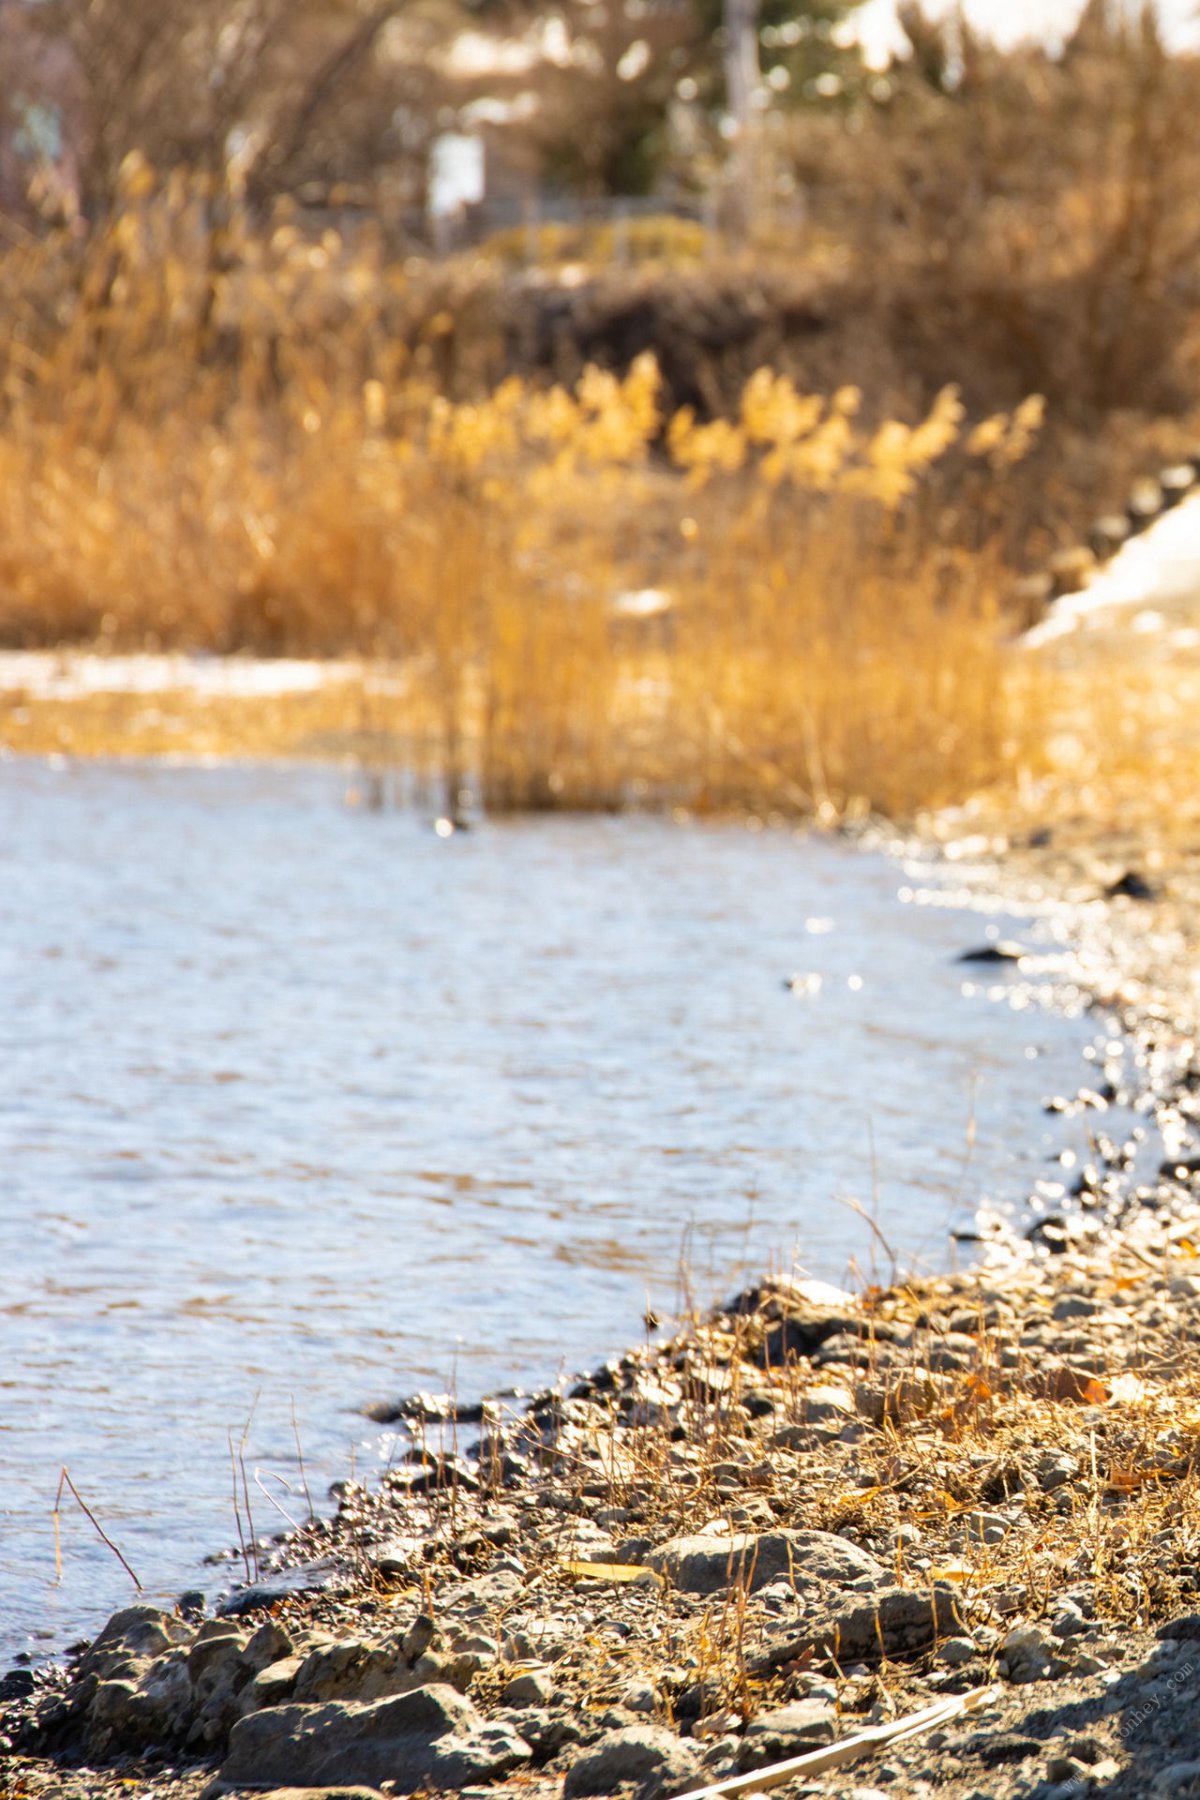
(993, 953)
(1051, 1233)
(1131, 886)
(1184, 1629)
(446, 1472)
(898, 1622)
(17, 1684)
(309, 1579)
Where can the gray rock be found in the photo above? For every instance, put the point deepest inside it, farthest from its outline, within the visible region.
(269, 1644)
(823, 1405)
(272, 1686)
(1055, 1469)
(361, 1669)
(1024, 1653)
(134, 1631)
(647, 1754)
(1075, 1306)
(431, 1737)
(130, 1714)
(639, 1697)
(986, 1528)
(895, 1621)
(531, 1687)
(956, 1652)
(789, 1730)
(707, 1563)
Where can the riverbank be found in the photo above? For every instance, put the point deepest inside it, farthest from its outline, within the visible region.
(809, 1512)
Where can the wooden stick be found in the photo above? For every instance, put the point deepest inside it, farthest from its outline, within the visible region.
(875, 1737)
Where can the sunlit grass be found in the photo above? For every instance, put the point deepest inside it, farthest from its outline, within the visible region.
(210, 439)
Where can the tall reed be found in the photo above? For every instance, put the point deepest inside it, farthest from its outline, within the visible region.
(209, 437)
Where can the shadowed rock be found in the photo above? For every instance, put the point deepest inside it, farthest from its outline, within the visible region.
(898, 1622)
(431, 1737)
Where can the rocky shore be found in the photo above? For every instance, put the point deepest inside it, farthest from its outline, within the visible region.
(804, 1515)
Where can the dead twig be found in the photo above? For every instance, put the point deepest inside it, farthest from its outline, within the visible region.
(64, 1481)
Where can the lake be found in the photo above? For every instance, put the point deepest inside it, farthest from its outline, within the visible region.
(305, 1108)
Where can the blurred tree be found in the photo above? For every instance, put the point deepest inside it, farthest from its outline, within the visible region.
(276, 91)
(613, 76)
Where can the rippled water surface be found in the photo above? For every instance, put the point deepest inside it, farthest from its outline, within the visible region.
(306, 1106)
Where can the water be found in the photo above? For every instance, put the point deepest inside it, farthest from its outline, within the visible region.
(307, 1108)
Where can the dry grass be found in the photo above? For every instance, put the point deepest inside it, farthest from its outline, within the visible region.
(213, 437)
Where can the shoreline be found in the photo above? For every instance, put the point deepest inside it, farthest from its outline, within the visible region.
(796, 1517)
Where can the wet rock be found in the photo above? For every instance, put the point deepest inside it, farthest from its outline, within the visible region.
(708, 1563)
(431, 1737)
(993, 953)
(645, 1754)
(788, 1731)
(260, 1596)
(426, 1409)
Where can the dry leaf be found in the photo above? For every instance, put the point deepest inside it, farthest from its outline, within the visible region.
(1076, 1385)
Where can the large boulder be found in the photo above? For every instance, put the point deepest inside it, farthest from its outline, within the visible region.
(431, 1737)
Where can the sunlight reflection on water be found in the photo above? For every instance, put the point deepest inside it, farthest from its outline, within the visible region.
(305, 1104)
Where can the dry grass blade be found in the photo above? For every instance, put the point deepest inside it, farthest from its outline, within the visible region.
(835, 1756)
(64, 1481)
